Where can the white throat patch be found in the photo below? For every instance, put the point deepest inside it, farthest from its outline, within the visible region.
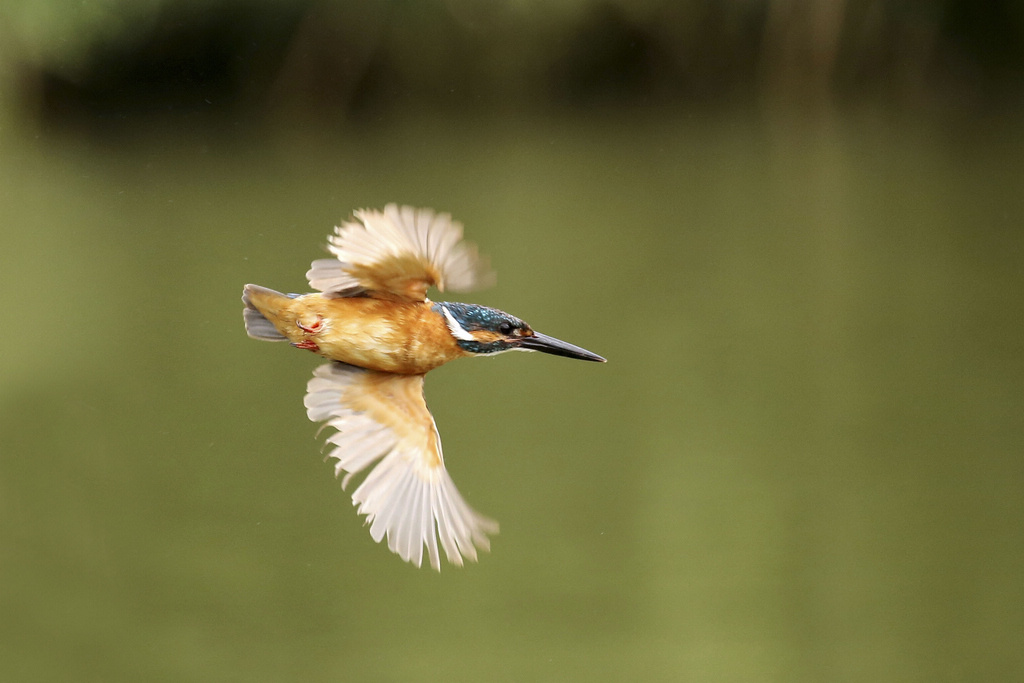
(457, 330)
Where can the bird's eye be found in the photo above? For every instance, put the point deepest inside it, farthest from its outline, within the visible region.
(506, 328)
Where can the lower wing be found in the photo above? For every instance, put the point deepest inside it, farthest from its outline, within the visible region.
(383, 425)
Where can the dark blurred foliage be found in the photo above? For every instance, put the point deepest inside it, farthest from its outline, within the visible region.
(331, 61)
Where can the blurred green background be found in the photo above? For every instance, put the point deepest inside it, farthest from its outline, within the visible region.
(793, 228)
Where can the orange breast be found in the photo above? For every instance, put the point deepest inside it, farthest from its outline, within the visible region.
(383, 335)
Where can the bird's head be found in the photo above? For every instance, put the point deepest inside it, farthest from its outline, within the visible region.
(481, 330)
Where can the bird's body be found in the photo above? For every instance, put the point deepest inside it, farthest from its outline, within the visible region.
(372, 320)
(403, 337)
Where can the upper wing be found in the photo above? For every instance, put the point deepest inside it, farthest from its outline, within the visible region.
(400, 251)
(408, 494)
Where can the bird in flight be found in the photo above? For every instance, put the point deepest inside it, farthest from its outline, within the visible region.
(372, 320)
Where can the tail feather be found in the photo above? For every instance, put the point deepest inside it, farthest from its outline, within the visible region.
(256, 325)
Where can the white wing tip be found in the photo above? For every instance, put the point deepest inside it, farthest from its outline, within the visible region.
(415, 508)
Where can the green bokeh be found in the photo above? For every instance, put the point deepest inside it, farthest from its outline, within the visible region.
(802, 462)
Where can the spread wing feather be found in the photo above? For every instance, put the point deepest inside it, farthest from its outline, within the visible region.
(383, 425)
(399, 252)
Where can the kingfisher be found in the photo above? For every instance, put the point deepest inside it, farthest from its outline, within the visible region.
(371, 318)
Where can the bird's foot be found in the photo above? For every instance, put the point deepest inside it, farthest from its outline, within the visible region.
(308, 344)
(315, 327)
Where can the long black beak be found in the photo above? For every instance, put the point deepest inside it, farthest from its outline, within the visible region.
(557, 347)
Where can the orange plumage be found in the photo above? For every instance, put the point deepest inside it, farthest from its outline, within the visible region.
(404, 337)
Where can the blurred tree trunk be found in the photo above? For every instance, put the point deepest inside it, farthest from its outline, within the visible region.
(799, 51)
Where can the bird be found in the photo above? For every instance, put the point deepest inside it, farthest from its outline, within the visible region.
(371, 319)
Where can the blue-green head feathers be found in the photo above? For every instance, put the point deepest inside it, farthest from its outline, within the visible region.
(479, 329)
